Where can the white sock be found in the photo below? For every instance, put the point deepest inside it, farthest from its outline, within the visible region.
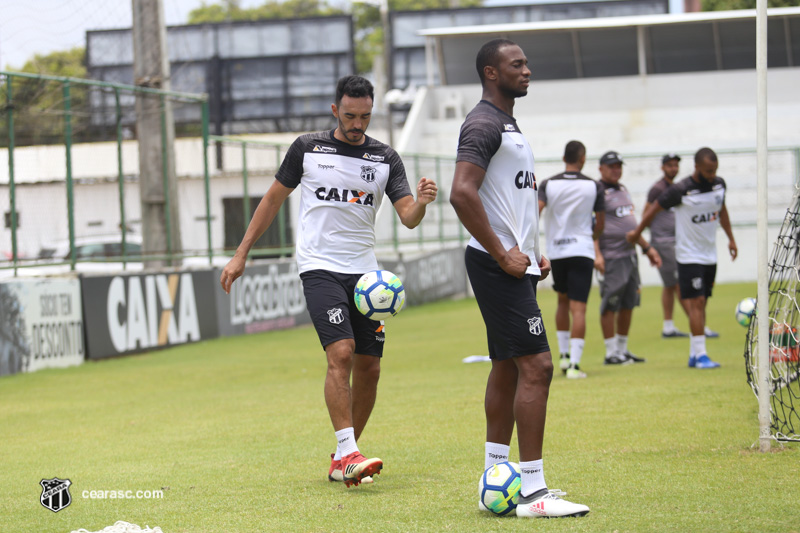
(532, 477)
(611, 346)
(495, 453)
(669, 326)
(576, 350)
(622, 343)
(338, 455)
(563, 341)
(698, 345)
(347, 442)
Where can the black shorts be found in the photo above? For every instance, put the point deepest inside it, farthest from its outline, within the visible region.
(329, 298)
(573, 276)
(514, 325)
(696, 280)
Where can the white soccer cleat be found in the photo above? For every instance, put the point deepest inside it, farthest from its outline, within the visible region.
(547, 504)
(574, 372)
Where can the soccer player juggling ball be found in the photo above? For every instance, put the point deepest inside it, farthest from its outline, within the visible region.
(343, 175)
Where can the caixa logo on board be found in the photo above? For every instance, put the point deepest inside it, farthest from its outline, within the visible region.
(154, 310)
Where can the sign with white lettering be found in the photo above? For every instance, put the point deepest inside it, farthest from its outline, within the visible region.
(135, 313)
(267, 297)
(40, 325)
(432, 277)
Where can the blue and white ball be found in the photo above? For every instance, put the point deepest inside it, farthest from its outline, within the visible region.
(499, 488)
(379, 295)
(745, 311)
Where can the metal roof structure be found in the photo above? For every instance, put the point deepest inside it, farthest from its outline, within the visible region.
(620, 46)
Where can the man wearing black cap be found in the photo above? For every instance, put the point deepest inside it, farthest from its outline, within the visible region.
(616, 259)
(662, 237)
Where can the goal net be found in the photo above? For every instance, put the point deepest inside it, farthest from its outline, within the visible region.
(784, 322)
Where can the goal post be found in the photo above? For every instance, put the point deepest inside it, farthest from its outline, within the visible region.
(774, 376)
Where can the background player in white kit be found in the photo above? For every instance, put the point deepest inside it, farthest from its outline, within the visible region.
(699, 203)
(662, 238)
(571, 199)
(342, 175)
(494, 194)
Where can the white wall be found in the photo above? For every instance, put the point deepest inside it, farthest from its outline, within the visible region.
(656, 113)
(643, 117)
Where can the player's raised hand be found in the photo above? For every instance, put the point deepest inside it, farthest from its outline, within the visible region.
(515, 263)
(426, 191)
(231, 272)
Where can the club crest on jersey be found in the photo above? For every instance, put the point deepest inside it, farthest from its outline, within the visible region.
(335, 316)
(535, 325)
(525, 179)
(324, 149)
(509, 127)
(371, 157)
(368, 173)
(345, 195)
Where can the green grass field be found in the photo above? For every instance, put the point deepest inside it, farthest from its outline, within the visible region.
(236, 434)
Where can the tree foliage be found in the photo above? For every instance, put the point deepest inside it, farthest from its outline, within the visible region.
(728, 5)
(369, 32)
(38, 105)
(231, 10)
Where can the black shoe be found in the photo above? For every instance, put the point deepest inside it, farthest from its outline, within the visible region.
(617, 359)
(630, 357)
(674, 334)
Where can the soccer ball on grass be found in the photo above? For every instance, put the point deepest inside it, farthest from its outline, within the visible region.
(745, 311)
(499, 487)
(379, 295)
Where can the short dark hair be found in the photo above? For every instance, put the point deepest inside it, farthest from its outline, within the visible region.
(703, 154)
(354, 87)
(573, 152)
(488, 55)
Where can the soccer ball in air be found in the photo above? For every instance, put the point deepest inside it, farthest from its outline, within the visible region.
(745, 311)
(499, 488)
(379, 295)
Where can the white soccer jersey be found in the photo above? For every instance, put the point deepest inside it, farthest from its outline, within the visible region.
(697, 208)
(570, 199)
(490, 139)
(341, 189)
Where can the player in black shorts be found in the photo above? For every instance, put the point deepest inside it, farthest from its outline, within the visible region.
(504, 264)
(342, 176)
(699, 204)
(574, 219)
